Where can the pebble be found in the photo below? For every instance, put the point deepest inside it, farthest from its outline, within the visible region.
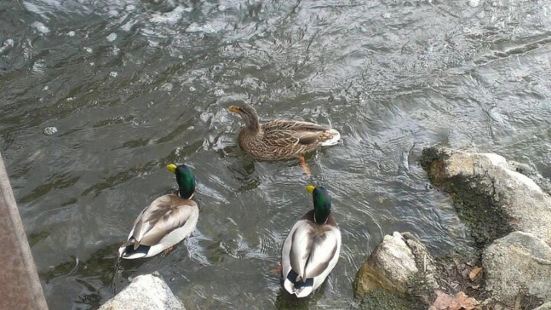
(50, 131)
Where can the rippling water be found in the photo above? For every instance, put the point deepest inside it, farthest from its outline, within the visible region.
(132, 85)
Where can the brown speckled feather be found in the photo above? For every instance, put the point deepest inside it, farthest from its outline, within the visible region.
(282, 139)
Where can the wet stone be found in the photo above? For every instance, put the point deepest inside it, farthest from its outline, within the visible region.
(50, 131)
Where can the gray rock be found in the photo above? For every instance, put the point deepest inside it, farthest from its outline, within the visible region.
(145, 292)
(400, 263)
(518, 264)
(532, 173)
(491, 196)
(545, 306)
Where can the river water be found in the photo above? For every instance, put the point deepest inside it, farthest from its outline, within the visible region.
(132, 85)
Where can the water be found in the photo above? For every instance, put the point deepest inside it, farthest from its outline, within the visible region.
(133, 85)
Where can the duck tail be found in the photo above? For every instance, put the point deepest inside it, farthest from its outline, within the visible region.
(294, 285)
(128, 251)
(334, 138)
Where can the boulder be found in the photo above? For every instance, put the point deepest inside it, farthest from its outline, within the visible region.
(489, 194)
(518, 266)
(401, 264)
(145, 292)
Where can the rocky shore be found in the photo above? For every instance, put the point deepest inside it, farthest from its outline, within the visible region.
(507, 207)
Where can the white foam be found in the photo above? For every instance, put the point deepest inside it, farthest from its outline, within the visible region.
(171, 17)
(111, 37)
(114, 74)
(128, 26)
(88, 49)
(474, 3)
(38, 66)
(9, 43)
(40, 27)
(207, 28)
(71, 33)
(167, 87)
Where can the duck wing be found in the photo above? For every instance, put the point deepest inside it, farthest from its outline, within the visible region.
(313, 247)
(164, 215)
(296, 132)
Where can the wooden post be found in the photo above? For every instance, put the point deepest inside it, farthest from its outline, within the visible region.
(19, 284)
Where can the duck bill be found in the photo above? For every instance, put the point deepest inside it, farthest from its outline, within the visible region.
(171, 168)
(234, 109)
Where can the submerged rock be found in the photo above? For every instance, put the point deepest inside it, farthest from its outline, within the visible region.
(490, 195)
(401, 264)
(516, 266)
(50, 131)
(147, 292)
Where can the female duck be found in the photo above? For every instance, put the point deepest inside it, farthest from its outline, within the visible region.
(312, 248)
(281, 139)
(167, 221)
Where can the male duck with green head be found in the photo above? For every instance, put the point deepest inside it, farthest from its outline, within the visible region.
(312, 248)
(167, 221)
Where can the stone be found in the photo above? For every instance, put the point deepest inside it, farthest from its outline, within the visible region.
(489, 194)
(401, 264)
(518, 264)
(145, 292)
(50, 131)
(545, 306)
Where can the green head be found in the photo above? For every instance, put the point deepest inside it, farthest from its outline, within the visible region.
(185, 179)
(322, 203)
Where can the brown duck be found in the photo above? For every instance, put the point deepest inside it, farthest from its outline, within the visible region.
(281, 139)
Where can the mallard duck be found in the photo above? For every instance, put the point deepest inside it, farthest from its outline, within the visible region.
(166, 221)
(281, 139)
(312, 248)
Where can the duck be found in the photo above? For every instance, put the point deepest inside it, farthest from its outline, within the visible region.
(312, 248)
(281, 139)
(168, 220)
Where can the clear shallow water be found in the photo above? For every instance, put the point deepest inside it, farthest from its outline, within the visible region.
(132, 85)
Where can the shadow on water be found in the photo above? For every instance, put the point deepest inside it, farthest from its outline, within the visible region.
(284, 300)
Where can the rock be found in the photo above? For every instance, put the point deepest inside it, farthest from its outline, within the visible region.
(145, 292)
(50, 131)
(400, 263)
(545, 306)
(489, 194)
(532, 173)
(518, 264)
(458, 302)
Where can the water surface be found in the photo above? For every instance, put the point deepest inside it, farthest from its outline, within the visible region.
(133, 85)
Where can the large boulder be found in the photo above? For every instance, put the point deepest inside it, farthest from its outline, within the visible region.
(518, 266)
(145, 292)
(490, 195)
(401, 264)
